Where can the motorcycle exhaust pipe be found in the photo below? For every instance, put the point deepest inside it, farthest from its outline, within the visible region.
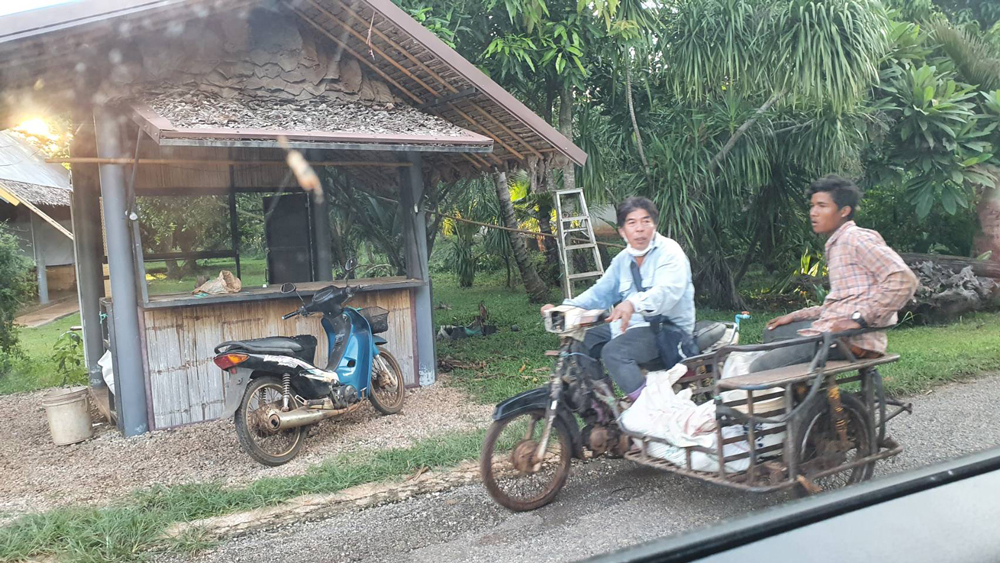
(304, 416)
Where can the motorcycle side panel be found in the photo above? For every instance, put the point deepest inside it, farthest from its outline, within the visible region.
(538, 399)
(355, 365)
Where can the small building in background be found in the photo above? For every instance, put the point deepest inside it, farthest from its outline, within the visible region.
(35, 203)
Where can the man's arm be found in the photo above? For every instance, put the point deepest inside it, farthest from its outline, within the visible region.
(601, 295)
(807, 314)
(895, 283)
(670, 280)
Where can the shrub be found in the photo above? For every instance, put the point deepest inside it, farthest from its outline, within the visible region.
(15, 288)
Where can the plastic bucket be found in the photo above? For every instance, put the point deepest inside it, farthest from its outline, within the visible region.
(69, 415)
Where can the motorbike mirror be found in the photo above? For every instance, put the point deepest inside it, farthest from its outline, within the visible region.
(351, 264)
(288, 288)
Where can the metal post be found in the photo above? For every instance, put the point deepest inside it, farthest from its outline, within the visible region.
(88, 249)
(321, 243)
(130, 386)
(234, 222)
(43, 282)
(414, 220)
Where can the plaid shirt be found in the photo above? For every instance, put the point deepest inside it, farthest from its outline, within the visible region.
(865, 276)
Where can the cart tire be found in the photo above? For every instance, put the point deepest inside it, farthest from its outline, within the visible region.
(816, 429)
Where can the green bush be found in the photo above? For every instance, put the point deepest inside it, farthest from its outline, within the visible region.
(15, 288)
(887, 210)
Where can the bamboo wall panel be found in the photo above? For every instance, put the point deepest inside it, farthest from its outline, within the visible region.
(185, 384)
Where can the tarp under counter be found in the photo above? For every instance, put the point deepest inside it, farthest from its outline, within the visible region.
(180, 332)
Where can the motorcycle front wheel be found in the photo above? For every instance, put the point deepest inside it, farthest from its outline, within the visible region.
(258, 439)
(510, 470)
(387, 387)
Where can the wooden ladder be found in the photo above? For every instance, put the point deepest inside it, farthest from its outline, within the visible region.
(574, 219)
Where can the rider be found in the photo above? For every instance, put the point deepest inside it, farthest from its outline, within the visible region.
(869, 282)
(659, 264)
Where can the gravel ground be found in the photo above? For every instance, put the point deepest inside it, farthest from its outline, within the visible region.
(607, 504)
(39, 475)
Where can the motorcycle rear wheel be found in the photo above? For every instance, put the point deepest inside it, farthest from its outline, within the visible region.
(387, 390)
(257, 439)
(505, 463)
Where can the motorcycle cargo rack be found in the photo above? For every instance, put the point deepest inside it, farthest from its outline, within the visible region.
(377, 317)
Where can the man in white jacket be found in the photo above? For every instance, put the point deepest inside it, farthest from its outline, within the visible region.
(662, 269)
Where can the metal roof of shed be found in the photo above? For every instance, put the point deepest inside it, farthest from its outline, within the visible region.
(25, 175)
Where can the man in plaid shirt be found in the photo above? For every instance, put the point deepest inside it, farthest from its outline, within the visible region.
(869, 282)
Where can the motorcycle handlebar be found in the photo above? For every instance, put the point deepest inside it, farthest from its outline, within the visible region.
(294, 313)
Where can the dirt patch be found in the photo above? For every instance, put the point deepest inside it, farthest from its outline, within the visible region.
(39, 475)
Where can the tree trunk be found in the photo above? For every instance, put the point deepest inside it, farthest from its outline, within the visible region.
(537, 170)
(635, 124)
(536, 288)
(988, 239)
(566, 128)
(981, 268)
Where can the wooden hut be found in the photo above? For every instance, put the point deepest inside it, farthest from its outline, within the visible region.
(34, 202)
(194, 97)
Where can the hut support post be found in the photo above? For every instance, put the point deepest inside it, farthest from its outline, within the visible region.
(321, 236)
(130, 386)
(36, 239)
(234, 221)
(85, 211)
(414, 220)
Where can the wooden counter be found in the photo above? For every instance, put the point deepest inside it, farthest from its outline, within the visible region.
(274, 292)
(180, 333)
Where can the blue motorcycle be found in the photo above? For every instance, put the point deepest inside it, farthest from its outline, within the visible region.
(275, 392)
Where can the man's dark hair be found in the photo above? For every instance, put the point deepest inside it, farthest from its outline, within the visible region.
(844, 192)
(634, 204)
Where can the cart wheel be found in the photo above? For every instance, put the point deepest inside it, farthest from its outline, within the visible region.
(820, 448)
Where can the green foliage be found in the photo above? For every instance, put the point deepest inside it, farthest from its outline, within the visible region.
(68, 358)
(36, 369)
(941, 140)
(15, 289)
(886, 208)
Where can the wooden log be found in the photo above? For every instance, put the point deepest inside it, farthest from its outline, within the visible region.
(981, 268)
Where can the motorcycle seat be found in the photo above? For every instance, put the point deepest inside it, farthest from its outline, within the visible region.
(283, 345)
(707, 333)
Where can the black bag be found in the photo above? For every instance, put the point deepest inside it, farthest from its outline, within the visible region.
(672, 342)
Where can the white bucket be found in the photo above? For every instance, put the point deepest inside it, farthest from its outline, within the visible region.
(69, 415)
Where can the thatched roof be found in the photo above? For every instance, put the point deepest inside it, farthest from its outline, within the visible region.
(35, 194)
(26, 176)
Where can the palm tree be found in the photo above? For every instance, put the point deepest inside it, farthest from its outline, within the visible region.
(752, 97)
(538, 292)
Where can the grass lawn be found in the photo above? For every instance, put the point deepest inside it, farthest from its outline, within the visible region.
(38, 370)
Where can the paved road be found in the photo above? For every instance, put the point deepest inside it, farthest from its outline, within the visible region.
(607, 504)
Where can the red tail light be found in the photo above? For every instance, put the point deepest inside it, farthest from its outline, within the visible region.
(226, 361)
